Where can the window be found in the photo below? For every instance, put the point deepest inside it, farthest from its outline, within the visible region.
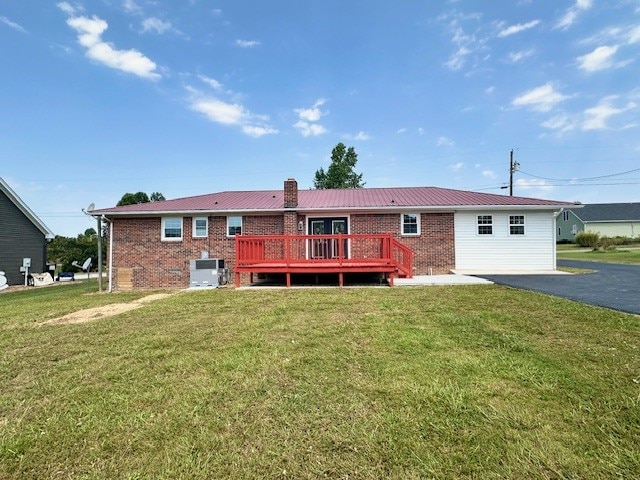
(234, 226)
(559, 231)
(516, 224)
(200, 227)
(410, 224)
(172, 228)
(485, 225)
(565, 215)
(574, 229)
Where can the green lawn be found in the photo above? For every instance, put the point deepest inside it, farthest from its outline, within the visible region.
(619, 255)
(437, 382)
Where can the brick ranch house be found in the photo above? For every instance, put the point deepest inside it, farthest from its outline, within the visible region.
(393, 231)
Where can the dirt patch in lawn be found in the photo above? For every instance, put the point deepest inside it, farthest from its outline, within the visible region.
(110, 310)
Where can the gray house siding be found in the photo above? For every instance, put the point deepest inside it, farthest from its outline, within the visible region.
(19, 238)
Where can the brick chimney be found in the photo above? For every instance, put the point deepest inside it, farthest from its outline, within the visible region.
(290, 193)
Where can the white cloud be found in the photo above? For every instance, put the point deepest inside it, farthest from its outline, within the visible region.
(362, 136)
(153, 24)
(420, 131)
(308, 118)
(519, 27)
(489, 174)
(66, 8)
(13, 25)
(401, 130)
(490, 90)
(131, 6)
(444, 142)
(257, 131)
(456, 60)
(560, 123)
(90, 32)
(312, 114)
(230, 114)
(533, 184)
(596, 117)
(220, 112)
(522, 54)
(634, 35)
(456, 167)
(309, 129)
(540, 99)
(601, 58)
(212, 82)
(247, 43)
(571, 14)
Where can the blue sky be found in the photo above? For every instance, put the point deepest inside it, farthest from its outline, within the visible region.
(103, 97)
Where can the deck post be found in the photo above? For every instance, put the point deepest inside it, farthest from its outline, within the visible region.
(340, 279)
(237, 279)
(288, 275)
(391, 275)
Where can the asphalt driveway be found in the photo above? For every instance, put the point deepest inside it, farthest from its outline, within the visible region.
(612, 285)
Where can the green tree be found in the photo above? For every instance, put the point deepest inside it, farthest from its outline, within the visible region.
(63, 251)
(140, 197)
(340, 173)
(156, 197)
(133, 198)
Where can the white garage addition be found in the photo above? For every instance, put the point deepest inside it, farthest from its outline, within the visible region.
(505, 240)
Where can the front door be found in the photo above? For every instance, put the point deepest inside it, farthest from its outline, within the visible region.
(324, 248)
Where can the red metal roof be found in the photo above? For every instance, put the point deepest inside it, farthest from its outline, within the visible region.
(357, 198)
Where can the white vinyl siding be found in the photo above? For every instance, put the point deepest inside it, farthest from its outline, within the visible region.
(502, 251)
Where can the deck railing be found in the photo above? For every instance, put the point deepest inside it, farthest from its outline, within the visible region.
(309, 250)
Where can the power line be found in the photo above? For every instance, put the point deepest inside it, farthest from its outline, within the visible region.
(580, 179)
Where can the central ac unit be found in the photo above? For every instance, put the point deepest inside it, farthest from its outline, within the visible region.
(204, 272)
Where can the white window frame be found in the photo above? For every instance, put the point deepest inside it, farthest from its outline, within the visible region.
(195, 229)
(574, 229)
(483, 224)
(164, 229)
(512, 224)
(403, 224)
(235, 226)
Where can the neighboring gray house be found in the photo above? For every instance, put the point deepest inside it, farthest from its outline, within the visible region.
(607, 219)
(22, 235)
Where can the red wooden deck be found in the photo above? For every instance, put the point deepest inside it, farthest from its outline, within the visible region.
(380, 253)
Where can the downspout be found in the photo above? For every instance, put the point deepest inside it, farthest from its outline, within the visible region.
(110, 256)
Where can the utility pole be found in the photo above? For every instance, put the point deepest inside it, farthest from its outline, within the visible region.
(513, 167)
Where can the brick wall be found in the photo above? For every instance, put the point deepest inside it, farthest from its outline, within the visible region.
(159, 264)
(433, 249)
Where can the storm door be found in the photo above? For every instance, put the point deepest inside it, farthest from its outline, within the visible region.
(328, 248)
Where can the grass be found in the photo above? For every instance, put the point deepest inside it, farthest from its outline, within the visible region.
(439, 382)
(619, 255)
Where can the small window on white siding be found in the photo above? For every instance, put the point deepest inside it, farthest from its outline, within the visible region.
(172, 228)
(485, 225)
(516, 224)
(200, 227)
(234, 226)
(410, 224)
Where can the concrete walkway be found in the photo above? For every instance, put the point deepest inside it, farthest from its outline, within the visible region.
(453, 279)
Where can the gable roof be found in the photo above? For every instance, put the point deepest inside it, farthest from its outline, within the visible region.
(609, 212)
(339, 199)
(17, 201)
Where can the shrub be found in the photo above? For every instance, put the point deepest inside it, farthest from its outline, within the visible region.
(587, 239)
